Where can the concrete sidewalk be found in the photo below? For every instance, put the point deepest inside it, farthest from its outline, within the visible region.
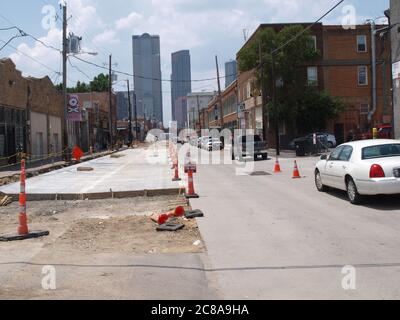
(135, 170)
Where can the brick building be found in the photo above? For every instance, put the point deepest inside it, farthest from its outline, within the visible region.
(30, 115)
(347, 73)
(343, 69)
(95, 128)
(252, 115)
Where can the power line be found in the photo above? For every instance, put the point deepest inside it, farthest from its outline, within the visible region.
(78, 69)
(6, 43)
(28, 56)
(22, 32)
(7, 29)
(147, 78)
(306, 29)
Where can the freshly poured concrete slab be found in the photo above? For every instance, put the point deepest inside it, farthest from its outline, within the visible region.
(136, 170)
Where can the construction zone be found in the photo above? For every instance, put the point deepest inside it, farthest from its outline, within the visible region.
(149, 216)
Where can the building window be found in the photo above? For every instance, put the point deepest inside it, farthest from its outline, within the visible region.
(248, 90)
(364, 108)
(362, 76)
(361, 43)
(314, 43)
(312, 76)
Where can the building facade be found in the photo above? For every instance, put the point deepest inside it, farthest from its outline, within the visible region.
(395, 39)
(147, 72)
(197, 102)
(30, 115)
(347, 73)
(95, 124)
(230, 72)
(123, 105)
(343, 68)
(181, 86)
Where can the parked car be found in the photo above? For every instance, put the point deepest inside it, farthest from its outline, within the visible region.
(214, 144)
(384, 132)
(249, 147)
(204, 141)
(328, 137)
(362, 168)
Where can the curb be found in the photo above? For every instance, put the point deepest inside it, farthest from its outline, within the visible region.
(99, 196)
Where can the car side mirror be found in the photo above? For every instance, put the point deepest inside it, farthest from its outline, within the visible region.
(324, 157)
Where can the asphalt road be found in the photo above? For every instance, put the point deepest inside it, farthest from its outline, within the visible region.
(272, 237)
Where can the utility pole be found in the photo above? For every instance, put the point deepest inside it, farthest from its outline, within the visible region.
(130, 114)
(219, 95)
(64, 58)
(275, 107)
(136, 119)
(110, 101)
(198, 111)
(373, 64)
(264, 95)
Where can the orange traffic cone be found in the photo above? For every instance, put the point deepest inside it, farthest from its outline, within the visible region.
(296, 172)
(191, 194)
(23, 231)
(23, 220)
(277, 166)
(176, 176)
(163, 218)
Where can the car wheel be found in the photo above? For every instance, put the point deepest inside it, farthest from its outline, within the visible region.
(352, 192)
(318, 182)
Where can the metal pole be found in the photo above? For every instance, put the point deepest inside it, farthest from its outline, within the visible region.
(136, 119)
(263, 93)
(373, 62)
(198, 111)
(275, 107)
(130, 115)
(64, 55)
(110, 103)
(219, 94)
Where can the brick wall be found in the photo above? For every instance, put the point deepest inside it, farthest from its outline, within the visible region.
(340, 68)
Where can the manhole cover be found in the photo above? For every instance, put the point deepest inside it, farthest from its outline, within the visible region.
(259, 173)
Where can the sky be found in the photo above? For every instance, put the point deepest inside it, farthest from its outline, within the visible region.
(205, 27)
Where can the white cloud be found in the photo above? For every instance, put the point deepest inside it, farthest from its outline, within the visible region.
(128, 22)
(107, 37)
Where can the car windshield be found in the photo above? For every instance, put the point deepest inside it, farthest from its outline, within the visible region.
(381, 151)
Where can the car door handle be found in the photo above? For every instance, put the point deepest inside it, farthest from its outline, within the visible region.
(344, 167)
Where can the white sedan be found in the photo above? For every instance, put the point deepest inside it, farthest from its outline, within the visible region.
(362, 168)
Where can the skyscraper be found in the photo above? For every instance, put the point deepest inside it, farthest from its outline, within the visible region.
(180, 86)
(147, 71)
(230, 72)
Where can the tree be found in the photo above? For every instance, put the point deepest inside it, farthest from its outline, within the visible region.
(294, 98)
(314, 110)
(98, 84)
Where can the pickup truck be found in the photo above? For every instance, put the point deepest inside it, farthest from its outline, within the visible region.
(249, 147)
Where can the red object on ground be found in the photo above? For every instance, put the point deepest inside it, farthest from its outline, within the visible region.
(77, 153)
(277, 166)
(176, 177)
(163, 218)
(190, 192)
(23, 220)
(296, 172)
